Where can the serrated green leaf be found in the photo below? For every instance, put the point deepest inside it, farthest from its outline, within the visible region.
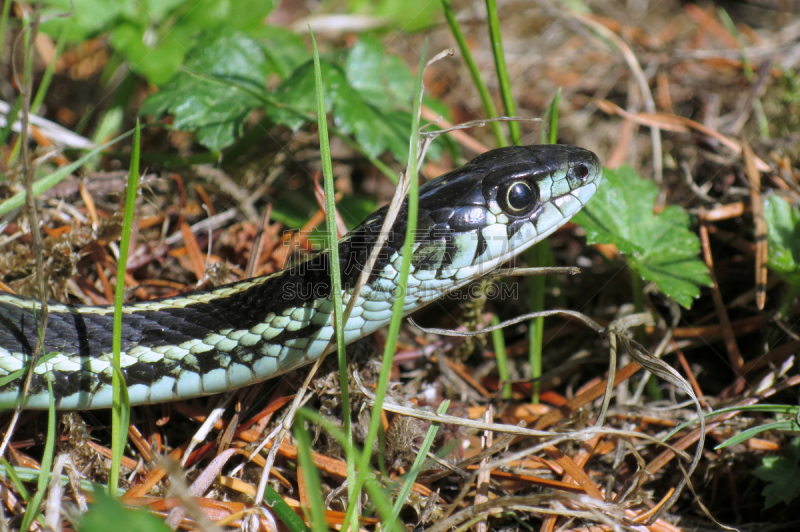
(781, 472)
(660, 248)
(158, 62)
(284, 50)
(367, 91)
(295, 99)
(216, 89)
(156, 9)
(154, 35)
(783, 234)
(382, 79)
(375, 129)
(89, 17)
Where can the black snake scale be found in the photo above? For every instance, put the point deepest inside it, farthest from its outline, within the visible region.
(231, 336)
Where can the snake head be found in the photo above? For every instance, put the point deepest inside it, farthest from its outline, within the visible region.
(499, 204)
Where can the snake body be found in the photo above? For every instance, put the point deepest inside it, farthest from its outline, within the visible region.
(471, 220)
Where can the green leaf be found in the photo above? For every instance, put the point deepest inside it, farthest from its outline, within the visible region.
(781, 472)
(783, 234)
(367, 91)
(216, 89)
(383, 80)
(108, 514)
(295, 100)
(660, 248)
(411, 15)
(284, 50)
(375, 129)
(89, 17)
(154, 35)
(157, 62)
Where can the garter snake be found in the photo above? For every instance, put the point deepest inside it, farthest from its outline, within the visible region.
(471, 220)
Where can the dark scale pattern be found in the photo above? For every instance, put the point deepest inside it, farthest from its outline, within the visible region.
(453, 204)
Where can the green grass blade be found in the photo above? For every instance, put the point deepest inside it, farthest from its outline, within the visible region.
(20, 373)
(777, 409)
(4, 24)
(311, 479)
(502, 357)
(11, 471)
(32, 511)
(11, 117)
(789, 425)
(336, 276)
(366, 477)
(46, 183)
(397, 308)
(419, 461)
(474, 72)
(411, 227)
(540, 255)
(120, 410)
(47, 77)
(283, 511)
(502, 71)
(550, 133)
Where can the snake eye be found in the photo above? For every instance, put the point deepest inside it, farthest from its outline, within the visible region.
(581, 172)
(516, 197)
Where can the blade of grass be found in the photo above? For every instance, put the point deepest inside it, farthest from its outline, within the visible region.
(11, 471)
(336, 276)
(283, 511)
(747, 68)
(121, 408)
(32, 511)
(366, 477)
(18, 374)
(502, 71)
(412, 171)
(27, 474)
(310, 478)
(46, 183)
(397, 307)
(474, 72)
(419, 461)
(4, 24)
(550, 133)
(788, 425)
(11, 117)
(540, 256)
(777, 409)
(502, 357)
(47, 77)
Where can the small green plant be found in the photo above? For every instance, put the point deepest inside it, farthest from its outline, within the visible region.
(658, 247)
(108, 514)
(781, 473)
(783, 234)
(152, 36)
(225, 79)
